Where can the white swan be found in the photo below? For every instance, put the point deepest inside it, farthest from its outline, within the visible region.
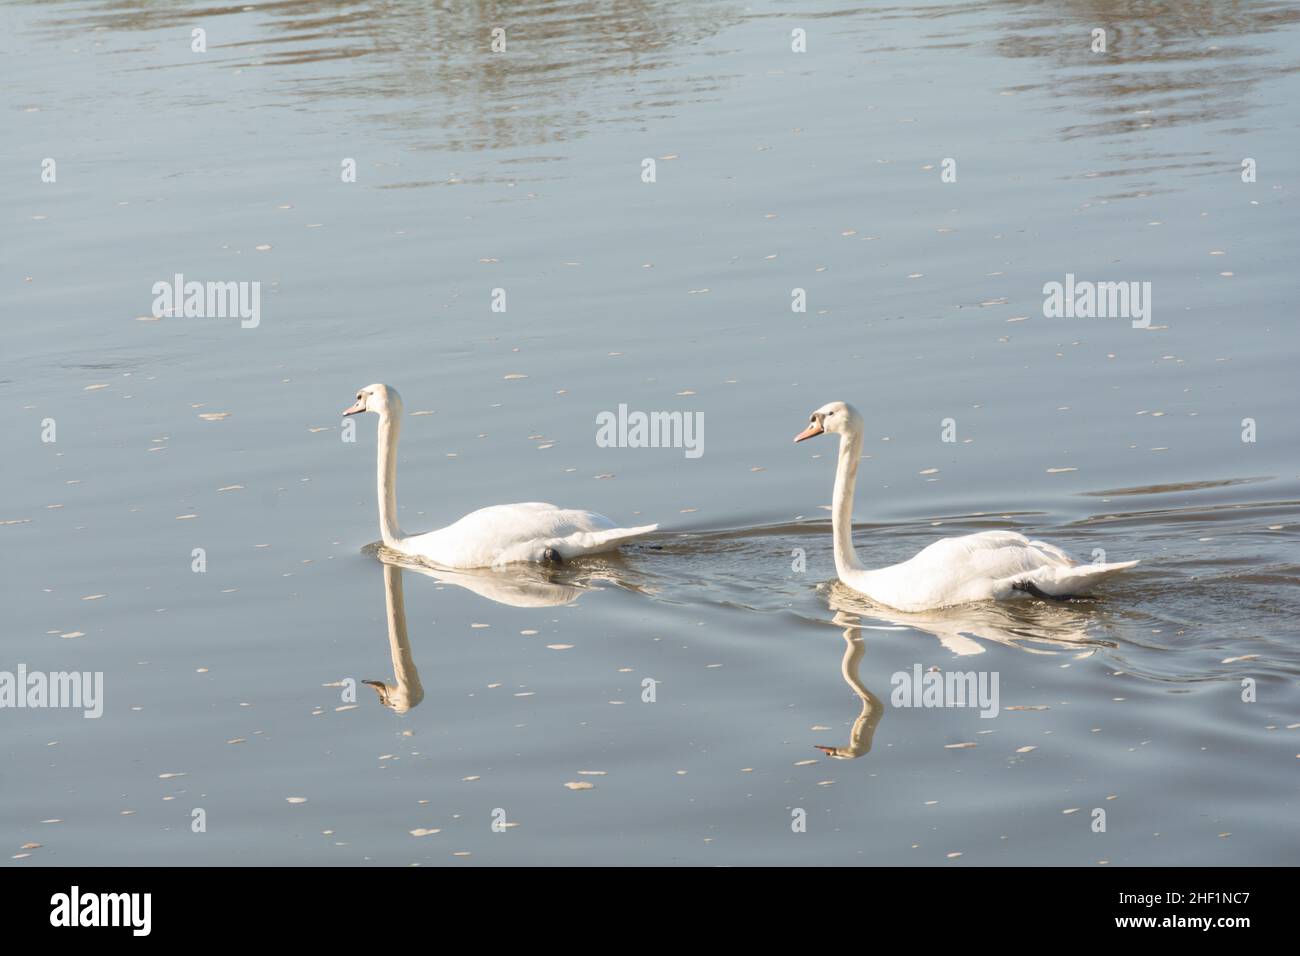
(990, 565)
(501, 534)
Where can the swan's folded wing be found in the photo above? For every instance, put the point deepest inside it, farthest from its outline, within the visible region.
(1053, 551)
(973, 567)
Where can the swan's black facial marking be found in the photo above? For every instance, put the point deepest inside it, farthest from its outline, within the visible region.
(816, 426)
(359, 406)
(552, 556)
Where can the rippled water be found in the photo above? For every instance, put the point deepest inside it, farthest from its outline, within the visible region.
(227, 691)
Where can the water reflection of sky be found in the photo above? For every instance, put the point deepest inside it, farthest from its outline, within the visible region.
(429, 73)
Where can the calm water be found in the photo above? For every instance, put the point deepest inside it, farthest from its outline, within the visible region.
(227, 691)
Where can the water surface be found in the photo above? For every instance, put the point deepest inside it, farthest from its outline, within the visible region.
(226, 690)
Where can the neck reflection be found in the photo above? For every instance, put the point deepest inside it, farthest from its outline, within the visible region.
(864, 727)
(405, 691)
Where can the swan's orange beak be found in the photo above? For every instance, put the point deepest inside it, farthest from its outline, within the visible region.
(812, 430)
(358, 406)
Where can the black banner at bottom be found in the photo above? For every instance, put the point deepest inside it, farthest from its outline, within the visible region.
(238, 904)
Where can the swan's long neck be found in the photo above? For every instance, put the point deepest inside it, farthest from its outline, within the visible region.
(390, 425)
(846, 477)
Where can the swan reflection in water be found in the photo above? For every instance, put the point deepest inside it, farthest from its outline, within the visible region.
(864, 727)
(1031, 627)
(406, 691)
(516, 586)
(1036, 627)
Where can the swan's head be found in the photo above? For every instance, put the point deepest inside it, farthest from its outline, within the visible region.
(834, 417)
(380, 399)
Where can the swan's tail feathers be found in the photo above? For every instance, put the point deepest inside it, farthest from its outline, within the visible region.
(1058, 582)
(616, 536)
(594, 542)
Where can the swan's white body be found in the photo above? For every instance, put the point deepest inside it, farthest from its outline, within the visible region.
(508, 534)
(990, 565)
(489, 537)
